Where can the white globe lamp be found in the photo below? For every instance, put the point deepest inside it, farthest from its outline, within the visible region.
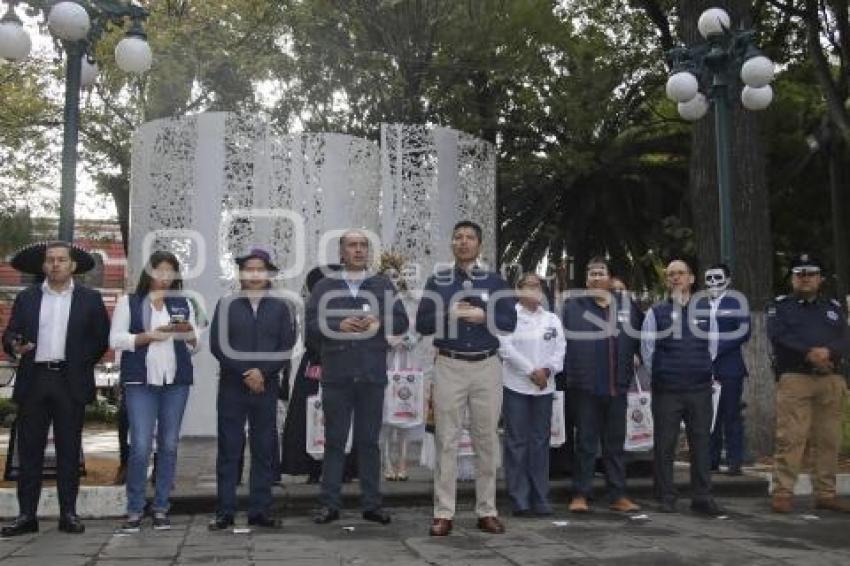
(713, 21)
(694, 109)
(133, 54)
(682, 86)
(69, 21)
(756, 98)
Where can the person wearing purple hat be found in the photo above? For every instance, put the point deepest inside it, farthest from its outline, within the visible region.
(58, 331)
(251, 336)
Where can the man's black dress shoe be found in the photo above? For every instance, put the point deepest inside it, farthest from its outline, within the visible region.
(377, 516)
(71, 523)
(220, 522)
(326, 515)
(263, 521)
(707, 507)
(667, 506)
(22, 525)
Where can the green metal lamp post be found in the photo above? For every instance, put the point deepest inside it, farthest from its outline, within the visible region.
(78, 25)
(701, 76)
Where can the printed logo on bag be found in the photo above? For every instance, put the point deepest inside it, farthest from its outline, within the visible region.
(404, 393)
(551, 333)
(637, 415)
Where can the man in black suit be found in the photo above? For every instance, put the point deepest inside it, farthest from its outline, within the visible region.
(349, 316)
(59, 330)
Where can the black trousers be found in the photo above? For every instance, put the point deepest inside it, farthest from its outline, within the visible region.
(365, 403)
(669, 409)
(600, 418)
(49, 400)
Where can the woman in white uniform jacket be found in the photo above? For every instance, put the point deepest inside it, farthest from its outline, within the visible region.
(531, 356)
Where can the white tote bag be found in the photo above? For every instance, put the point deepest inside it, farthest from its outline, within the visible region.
(558, 429)
(639, 426)
(404, 400)
(316, 428)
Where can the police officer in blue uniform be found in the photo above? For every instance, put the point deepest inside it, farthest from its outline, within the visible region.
(811, 345)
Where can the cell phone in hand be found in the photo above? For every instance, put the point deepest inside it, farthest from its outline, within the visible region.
(178, 319)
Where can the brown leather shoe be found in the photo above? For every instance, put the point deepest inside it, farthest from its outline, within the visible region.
(491, 525)
(781, 504)
(578, 505)
(624, 505)
(833, 504)
(441, 527)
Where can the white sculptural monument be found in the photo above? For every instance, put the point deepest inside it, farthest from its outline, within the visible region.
(209, 186)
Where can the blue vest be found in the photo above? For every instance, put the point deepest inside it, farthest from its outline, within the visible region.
(681, 361)
(133, 365)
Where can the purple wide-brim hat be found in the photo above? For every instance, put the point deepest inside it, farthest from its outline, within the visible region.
(257, 253)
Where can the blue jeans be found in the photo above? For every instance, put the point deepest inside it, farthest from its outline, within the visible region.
(149, 407)
(237, 405)
(527, 420)
(729, 426)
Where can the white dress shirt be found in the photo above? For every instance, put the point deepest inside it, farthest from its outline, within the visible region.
(53, 323)
(714, 329)
(537, 343)
(160, 361)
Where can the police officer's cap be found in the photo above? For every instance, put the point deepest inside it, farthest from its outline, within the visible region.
(805, 262)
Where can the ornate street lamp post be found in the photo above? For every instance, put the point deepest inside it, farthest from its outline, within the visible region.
(78, 25)
(701, 76)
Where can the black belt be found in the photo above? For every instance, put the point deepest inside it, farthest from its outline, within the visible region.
(52, 365)
(468, 356)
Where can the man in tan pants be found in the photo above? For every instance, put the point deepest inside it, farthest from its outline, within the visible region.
(811, 342)
(465, 308)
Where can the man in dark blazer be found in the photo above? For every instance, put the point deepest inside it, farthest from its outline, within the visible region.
(349, 316)
(58, 330)
(729, 330)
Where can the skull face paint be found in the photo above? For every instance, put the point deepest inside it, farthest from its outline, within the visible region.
(716, 281)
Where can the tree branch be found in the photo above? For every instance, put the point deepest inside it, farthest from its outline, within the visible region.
(788, 8)
(659, 18)
(823, 72)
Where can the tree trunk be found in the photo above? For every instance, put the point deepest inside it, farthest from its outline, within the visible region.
(750, 218)
(838, 188)
(118, 187)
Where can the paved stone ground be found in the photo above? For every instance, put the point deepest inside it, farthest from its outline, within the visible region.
(751, 536)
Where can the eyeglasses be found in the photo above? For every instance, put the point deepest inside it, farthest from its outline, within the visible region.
(806, 271)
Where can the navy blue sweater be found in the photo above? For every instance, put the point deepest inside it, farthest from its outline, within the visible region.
(240, 345)
(481, 289)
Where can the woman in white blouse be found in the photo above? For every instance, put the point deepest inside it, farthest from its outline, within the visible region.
(531, 357)
(154, 329)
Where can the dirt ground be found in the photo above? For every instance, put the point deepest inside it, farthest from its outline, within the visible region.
(99, 471)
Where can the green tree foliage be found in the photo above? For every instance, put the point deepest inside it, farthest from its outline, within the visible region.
(592, 157)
